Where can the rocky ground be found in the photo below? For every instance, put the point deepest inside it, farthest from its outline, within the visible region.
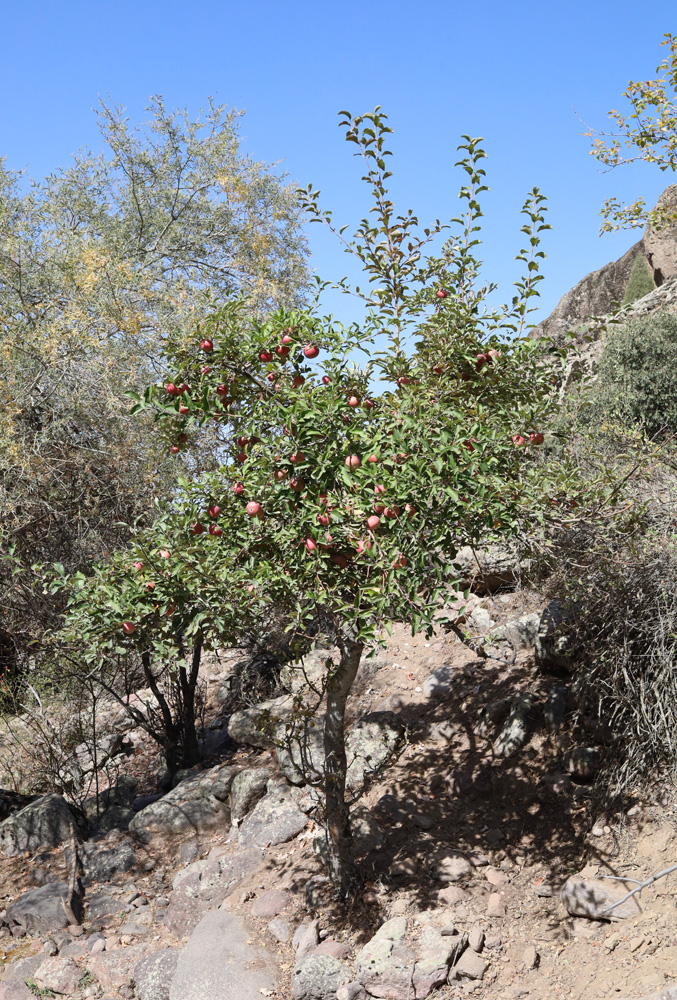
(485, 857)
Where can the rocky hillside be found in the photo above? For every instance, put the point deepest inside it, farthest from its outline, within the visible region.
(489, 870)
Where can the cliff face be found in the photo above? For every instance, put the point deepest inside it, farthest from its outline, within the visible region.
(600, 291)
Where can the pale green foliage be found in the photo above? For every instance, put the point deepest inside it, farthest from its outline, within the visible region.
(640, 282)
(646, 132)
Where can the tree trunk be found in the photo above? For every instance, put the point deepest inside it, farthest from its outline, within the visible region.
(339, 857)
(191, 749)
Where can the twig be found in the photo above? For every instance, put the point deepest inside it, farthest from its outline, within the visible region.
(640, 886)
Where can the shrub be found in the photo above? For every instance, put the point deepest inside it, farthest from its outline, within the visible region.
(637, 381)
(640, 282)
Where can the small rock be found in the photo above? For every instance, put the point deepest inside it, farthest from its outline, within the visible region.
(188, 853)
(495, 877)
(280, 929)
(495, 905)
(591, 898)
(271, 902)
(476, 938)
(352, 991)
(452, 895)
(338, 949)
(50, 948)
(469, 966)
(452, 866)
(543, 889)
(530, 957)
(60, 975)
(492, 941)
(422, 821)
(407, 866)
(96, 943)
(306, 939)
(17, 931)
(441, 682)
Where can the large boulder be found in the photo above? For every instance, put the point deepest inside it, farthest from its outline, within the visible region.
(221, 962)
(58, 975)
(115, 969)
(255, 726)
(200, 803)
(488, 569)
(47, 822)
(311, 670)
(385, 965)
(112, 810)
(154, 973)
(100, 862)
(275, 819)
(42, 909)
(248, 787)
(205, 884)
(318, 977)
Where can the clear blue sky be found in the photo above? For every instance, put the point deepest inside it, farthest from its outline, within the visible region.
(510, 72)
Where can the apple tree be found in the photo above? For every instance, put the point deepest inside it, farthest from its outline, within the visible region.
(360, 458)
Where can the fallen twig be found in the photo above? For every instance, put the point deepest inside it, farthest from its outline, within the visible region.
(640, 886)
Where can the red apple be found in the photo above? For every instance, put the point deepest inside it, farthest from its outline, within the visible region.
(129, 628)
(238, 488)
(311, 350)
(373, 459)
(379, 508)
(400, 562)
(373, 522)
(339, 560)
(326, 380)
(438, 369)
(265, 355)
(222, 390)
(296, 457)
(198, 528)
(253, 508)
(150, 586)
(207, 345)
(298, 381)
(492, 355)
(410, 509)
(184, 388)
(280, 475)
(206, 369)
(241, 456)
(369, 404)
(442, 293)
(518, 440)
(271, 376)
(470, 444)
(171, 608)
(353, 401)
(175, 449)
(172, 389)
(324, 519)
(392, 512)
(215, 530)
(183, 410)
(353, 461)
(242, 441)
(311, 544)
(379, 489)
(297, 483)
(183, 438)
(322, 498)
(138, 565)
(403, 380)
(361, 546)
(346, 418)
(214, 510)
(286, 339)
(282, 351)
(165, 553)
(536, 438)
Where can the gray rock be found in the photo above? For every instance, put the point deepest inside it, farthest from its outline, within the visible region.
(441, 682)
(591, 897)
(300, 751)
(352, 991)
(280, 929)
(271, 902)
(370, 743)
(367, 835)
(476, 938)
(255, 726)
(433, 954)
(515, 731)
(493, 715)
(469, 966)
(15, 991)
(520, 633)
(196, 805)
(385, 965)
(486, 570)
(248, 787)
(101, 904)
(318, 977)
(220, 962)
(306, 939)
(451, 866)
(309, 671)
(553, 651)
(47, 822)
(11, 802)
(115, 805)
(153, 975)
(188, 853)
(60, 975)
(274, 820)
(101, 863)
(115, 969)
(205, 884)
(23, 969)
(40, 910)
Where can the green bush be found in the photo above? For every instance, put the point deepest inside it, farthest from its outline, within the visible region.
(640, 282)
(637, 381)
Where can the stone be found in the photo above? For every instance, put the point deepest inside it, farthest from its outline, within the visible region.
(60, 975)
(469, 966)
(370, 743)
(318, 977)
(275, 819)
(351, 991)
(433, 953)
(452, 895)
(385, 964)
(101, 905)
(114, 808)
(516, 728)
(300, 753)
(115, 969)
(154, 973)
(96, 944)
(451, 866)
(271, 902)
(553, 650)
(486, 570)
(205, 884)
(221, 961)
(40, 910)
(255, 726)
(47, 822)
(23, 969)
(495, 876)
(520, 633)
(15, 991)
(555, 707)
(306, 939)
(476, 939)
(310, 670)
(248, 787)
(280, 929)
(530, 957)
(189, 852)
(101, 863)
(338, 949)
(440, 683)
(592, 897)
(196, 805)
(495, 905)
(583, 763)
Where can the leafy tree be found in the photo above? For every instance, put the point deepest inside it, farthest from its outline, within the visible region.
(100, 264)
(646, 132)
(350, 487)
(640, 282)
